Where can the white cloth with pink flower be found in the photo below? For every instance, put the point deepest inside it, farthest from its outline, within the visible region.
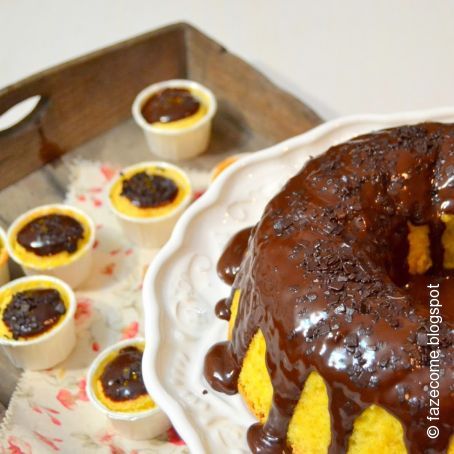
(49, 411)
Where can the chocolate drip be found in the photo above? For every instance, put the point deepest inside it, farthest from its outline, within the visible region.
(51, 234)
(324, 277)
(262, 440)
(145, 190)
(271, 438)
(169, 105)
(343, 412)
(222, 309)
(230, 261)
(122, 378)
(222, 368)
(33, 312)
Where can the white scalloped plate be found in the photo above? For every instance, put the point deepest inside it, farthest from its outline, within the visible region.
(181, 287)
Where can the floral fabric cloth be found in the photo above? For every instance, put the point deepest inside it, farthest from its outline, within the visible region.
(49, 411)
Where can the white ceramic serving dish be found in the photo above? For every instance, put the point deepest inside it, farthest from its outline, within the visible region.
(151, 232)
(181, 143)
(141, 425)
(181, 287)
(77, 269)
(51, 347)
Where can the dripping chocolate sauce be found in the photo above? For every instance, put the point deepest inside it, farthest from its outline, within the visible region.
(146, 190)
(170, 104)
(333, 244)
(230, 261)
(122, 378)
(33, 312)
(51, 234)
(228, 266)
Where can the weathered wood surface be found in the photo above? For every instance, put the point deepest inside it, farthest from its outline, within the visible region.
(83, 98)
(86, 110)
(87, 96)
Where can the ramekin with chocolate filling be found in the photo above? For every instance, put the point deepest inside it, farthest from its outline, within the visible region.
(148, 198)
(115, 387)
(37, 321)
(176, 117)
(56, 240)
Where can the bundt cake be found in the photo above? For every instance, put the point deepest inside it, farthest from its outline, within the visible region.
(341, 312)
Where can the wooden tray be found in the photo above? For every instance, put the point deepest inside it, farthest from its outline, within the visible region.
(85, 109)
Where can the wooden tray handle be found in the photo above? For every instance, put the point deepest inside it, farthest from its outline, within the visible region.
(26, 117)
(83, 98)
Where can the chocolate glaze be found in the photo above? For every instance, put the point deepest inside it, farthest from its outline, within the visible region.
(122, 378)
(33, 312)
(222, 309)
(146, 190)
(51, 234)
(325, 278)
(230, 260)
(170, 104)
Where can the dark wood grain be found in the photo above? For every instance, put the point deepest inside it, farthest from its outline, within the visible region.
(87, 96)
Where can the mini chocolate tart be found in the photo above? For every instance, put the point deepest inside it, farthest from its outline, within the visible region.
(174, 107)
(49, 236)
(146, 190)
(175, 117)
(118, 381)
(116, 388)
(149, 190)
(31, 308)
(33, 312)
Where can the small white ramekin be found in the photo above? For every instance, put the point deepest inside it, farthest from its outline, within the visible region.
(4, 270)
(182, 143)
(150, 232)
(77, 270)
(53, 346)
(142, 425)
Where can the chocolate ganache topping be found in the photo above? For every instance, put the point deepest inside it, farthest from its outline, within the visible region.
(324, 276)
(51, 234)
(33, 312)
(230, 261)
(122, 378)
(145, 190)
(170, 104)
